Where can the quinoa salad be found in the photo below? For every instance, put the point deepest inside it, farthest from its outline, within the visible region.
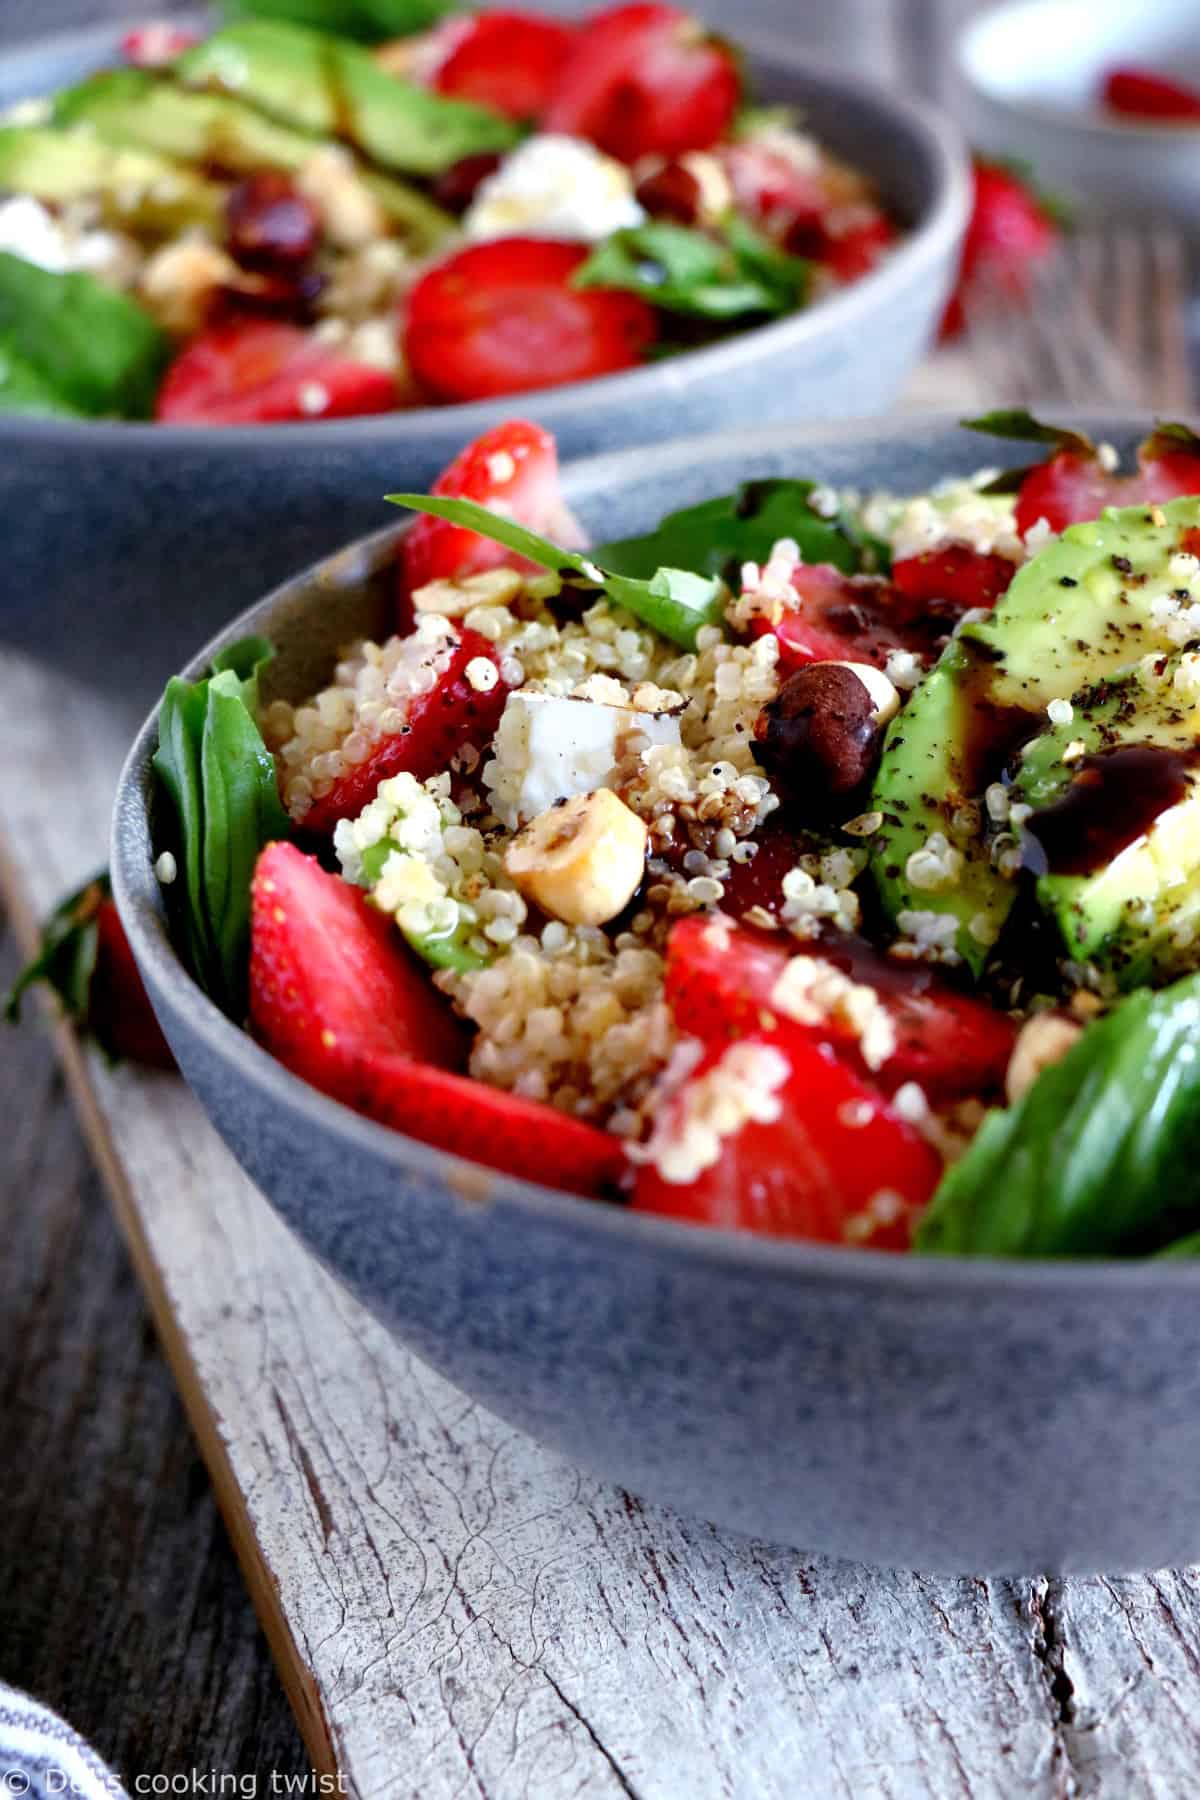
(820, 863)
(285, 223)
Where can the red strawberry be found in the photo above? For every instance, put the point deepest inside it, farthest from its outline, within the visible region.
(258, 372)
(1010, 229)
(338, 999)
(759, 882)
(119, 1011)
(836, 1165)
(513, 466)
(1141, 94)
(502, 317)
(719, 986)
(509, 61)
(645, 80)
(839, 618)
(854, 253)
(436, 725)
(1072, 485)
(956, 574)
(156, 43)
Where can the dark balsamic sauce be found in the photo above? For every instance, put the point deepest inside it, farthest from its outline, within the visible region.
(993, 733)
(1114, 798)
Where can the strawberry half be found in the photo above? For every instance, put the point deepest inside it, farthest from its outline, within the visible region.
(1141, 94)
(260, 371)
(955, 576)
(835, 1166)
(514, 468)
(1073, 484)
(719, 984)
(436, 725)
(338, 999)
(502, 317)
(645, 80)
(509, 61)
(837, 618)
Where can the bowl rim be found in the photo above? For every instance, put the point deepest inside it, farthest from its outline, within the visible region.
(1096, 130)
(931, 239)
(476, 1187)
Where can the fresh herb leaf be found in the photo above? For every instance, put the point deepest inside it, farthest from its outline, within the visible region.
(686, 271)
(1100, 1158)
(68, 344)
(1015, 422)
(1185, 1246)
(372, 21)
(221, 780)
(675, 602)
(718, 536)
(66, 959)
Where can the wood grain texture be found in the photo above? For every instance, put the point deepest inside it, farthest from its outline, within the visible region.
(121, 1602)
(457, 1612)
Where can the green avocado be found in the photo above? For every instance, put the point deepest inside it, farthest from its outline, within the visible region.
(1114, 835)
(333, 88)
(1084, 610)
(136, 189)
(135, 108)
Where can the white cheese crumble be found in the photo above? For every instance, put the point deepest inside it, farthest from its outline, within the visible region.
(29, 231)
(814, 992)
(555, 187)
(549, 747)
(742, 1087)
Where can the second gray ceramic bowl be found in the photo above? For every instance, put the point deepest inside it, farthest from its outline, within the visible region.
(951, 1415)
(129, 543)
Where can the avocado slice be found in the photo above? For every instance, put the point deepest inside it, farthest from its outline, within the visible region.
(135, 108)
(1085, 609)
(331, 87)
(68, 344)
(135, 188)
(1114, 835)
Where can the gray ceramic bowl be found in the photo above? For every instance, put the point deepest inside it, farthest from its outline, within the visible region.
(1043, 108)
(945, 1415)
(134, 541)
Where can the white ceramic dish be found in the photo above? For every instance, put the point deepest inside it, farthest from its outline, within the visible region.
(1032, 72)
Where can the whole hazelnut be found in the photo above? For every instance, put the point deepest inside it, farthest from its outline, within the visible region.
(821, 735)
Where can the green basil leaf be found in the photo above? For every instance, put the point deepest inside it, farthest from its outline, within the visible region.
(675, 602)
(221, 781)
(68, 344)
(1100, 1158)
(686, 271)
(1015, 422)
(372, 21)
(718, 536)
(66, 957)
(1185, 1246)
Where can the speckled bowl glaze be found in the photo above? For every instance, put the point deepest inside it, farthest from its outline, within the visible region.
(128, 543)
(950, 1415)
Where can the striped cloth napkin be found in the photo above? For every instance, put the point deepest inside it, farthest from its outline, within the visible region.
(41, 1758)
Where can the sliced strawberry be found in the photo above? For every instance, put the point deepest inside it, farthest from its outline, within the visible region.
(720, 982)
(514, 467)
(509, 61)
(1010, 230)
(836, 1166)
(156, 43)
(260, 371)
(339, 1000)
(329, 972)
(1141, 94)
(854, 253)
(436, 725)
(645, 80)
(1072, 486)
(965, 578)
(502, 318)
(840, 618)
(119, 1011)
